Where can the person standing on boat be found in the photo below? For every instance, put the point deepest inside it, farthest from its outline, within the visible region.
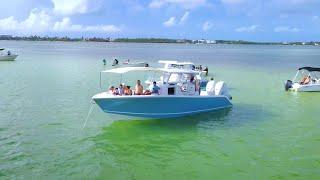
(139, 88)
(198, 86)
(115, 62)
(154, 88)
(193, 67)
(191, 86)
(104, 61)
(206, 70)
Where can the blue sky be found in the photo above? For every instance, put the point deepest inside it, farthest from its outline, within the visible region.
(256, 20)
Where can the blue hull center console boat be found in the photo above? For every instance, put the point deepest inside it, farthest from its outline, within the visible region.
(175, 93)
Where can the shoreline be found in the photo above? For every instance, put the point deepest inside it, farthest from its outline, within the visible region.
(137, 42)
(152, 40)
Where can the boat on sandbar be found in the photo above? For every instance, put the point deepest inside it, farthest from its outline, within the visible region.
(179, 94)
(310, 80)
(7, 56)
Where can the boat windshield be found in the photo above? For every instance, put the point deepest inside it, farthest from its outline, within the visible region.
(178, 77)
(180, 66)
(174, 77)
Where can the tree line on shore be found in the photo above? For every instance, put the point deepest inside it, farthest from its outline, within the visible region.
(149, 40)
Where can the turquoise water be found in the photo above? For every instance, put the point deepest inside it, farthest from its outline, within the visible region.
(45, 94)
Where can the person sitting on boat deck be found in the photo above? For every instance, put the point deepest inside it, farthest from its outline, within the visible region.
(308, 80)
(127, 90)
(111, 90)
(126, 61)
(121, 90)
(139, 88)
(154, 88)
(305, 80)
(147, 92)
(116, 91)
(9, 53)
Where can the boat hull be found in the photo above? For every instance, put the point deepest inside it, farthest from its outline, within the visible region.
(306, 88)
(160, 106)
(8, 58)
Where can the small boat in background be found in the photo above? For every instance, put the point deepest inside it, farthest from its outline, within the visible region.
(127, 63)
(310, 80)
(7, 56)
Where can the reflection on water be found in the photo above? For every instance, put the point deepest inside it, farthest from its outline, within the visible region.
(179, 124)
(131, 146)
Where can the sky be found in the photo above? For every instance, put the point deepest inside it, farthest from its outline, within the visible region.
(253, 20)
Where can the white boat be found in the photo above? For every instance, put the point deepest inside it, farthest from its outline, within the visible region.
(175, 98)
(7, 56)
(135, 64)
(309, 83)
(127, 63)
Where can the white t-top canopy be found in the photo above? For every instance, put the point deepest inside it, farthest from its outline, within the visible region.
(131, 69)
(175, 62)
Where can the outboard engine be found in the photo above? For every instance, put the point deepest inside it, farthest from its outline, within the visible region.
(288, 85)
(221, 89)
(210, 88)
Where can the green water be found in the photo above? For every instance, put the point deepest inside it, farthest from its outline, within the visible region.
(45, 94)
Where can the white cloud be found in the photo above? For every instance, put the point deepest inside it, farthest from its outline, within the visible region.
(207, 26)
(70, 7)
(186, 4)
(8, 24)
(286, 29)
(102, 28)
(252, 28)
(157, 4)
(184, 18)
(37, 21)
(66, 26)
(170, 22)
(315, 17)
